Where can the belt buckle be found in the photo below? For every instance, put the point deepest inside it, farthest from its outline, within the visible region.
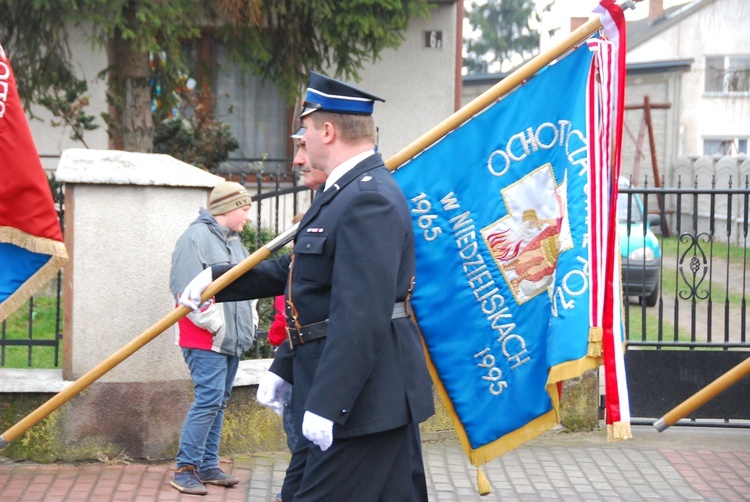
(289, 332)
(289, 337)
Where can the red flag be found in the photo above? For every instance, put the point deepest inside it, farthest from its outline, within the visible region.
(31, 247)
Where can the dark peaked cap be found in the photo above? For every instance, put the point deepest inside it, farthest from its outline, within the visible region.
(330, 95)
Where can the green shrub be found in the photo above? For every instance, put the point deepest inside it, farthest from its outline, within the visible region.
(192, 134)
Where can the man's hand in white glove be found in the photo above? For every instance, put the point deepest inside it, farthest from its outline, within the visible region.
(191, 296)
(317, 429)
(271, 392)
(210, 318)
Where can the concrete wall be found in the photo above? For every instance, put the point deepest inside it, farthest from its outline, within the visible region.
(105, 422)
(124, 212)
(77, 432)
(702, 172)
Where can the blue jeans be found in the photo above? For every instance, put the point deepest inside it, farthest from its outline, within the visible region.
(213, 375)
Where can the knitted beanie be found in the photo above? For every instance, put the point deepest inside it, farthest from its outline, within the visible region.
(227, 196)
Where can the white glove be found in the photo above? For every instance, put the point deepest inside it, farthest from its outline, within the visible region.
(209, 318)
(271, 392)
(191, 296)
(317, 429)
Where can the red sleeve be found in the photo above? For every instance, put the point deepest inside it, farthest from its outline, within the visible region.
(277, 331)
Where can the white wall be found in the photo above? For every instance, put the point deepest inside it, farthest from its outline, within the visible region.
(418, 84)
(721, 27)
(661, 89)
(88, 61)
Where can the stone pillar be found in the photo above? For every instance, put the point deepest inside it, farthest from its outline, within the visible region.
(579, 404)
(123, 214)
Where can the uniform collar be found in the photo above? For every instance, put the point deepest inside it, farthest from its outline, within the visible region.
(345, 167)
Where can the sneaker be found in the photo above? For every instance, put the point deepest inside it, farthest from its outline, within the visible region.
(216, 476)
(185, 479)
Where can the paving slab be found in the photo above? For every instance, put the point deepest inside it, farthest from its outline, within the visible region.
(681, 463)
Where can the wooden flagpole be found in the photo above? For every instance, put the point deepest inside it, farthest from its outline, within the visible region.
(494, 93)
(425, 141)
(500, 89)
(704, 395)
(136, 343)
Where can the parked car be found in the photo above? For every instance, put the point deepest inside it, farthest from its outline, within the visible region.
(639, 247)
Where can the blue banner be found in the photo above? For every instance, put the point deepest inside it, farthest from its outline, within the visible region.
(499, 209)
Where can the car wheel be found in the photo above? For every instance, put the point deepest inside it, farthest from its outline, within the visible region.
(653, 298)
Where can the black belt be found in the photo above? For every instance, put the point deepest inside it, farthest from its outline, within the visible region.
(307, 333)
(319, 329)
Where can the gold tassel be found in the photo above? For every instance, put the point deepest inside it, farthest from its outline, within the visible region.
(483, 486)
(619, 431)
(595, 342)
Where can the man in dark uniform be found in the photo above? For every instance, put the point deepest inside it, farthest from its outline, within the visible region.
(361, 385)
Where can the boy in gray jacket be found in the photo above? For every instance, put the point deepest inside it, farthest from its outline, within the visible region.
(212, 339)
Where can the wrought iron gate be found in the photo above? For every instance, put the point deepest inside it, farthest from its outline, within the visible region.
(695, 329)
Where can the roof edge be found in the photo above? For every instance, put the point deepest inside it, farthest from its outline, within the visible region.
(671, 18)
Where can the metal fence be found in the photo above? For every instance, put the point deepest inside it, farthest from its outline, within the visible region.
(693, 329)
(31, 336)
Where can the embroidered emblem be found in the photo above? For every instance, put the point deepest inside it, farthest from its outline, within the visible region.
(367, 178)
(313, 230)
(527, 243)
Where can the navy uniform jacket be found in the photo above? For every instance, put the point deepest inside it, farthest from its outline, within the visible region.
(353, 259)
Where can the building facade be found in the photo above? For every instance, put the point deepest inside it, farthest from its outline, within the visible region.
(688, 80)
(419, 80)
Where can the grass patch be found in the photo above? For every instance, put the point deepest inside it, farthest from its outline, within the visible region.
(734, 254)
(634, 327)
(644, 327)
(43, 327)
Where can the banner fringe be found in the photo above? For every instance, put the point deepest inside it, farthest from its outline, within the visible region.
(58, 257)
(572, 369)
(492, 450)
(619, 431)
(31, 286)
(483, 486)
(40, 245)
(516, 438)
(595, 342)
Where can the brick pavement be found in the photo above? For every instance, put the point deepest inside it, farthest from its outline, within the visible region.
(679, 464)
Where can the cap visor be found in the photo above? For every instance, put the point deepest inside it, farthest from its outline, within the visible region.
(298, 133)
(308, 110)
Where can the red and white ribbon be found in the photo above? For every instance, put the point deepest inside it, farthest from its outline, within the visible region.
(607, 86)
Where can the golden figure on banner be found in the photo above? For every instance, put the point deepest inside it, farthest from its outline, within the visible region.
(534, 264)
(526, 251)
